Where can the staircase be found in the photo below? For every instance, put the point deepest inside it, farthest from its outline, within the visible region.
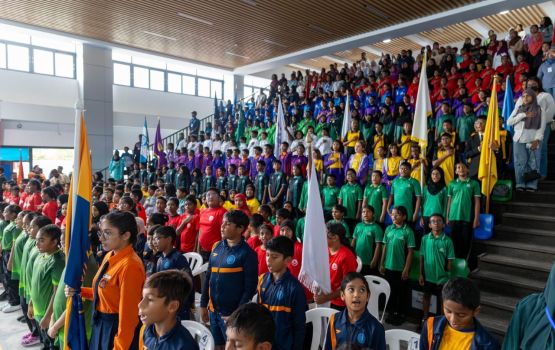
(517, 260)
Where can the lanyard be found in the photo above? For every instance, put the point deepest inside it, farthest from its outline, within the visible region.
(549, 317)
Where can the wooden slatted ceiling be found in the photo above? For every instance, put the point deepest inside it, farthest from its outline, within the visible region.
(319, 62)
(525, 16)
(237, 26)
(450, 34)
(397, 45)
(355, 54)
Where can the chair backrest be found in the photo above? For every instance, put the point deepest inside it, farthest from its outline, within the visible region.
(201, 334)
(378, 286)
(195, 262)
(394, 337)
(485, 231)
(359, 264)
(319, 317)
(459, 268)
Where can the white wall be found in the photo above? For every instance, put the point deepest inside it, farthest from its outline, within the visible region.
(38, 110)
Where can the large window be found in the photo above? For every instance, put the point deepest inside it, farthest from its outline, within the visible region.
(156, 75)
(25, 57)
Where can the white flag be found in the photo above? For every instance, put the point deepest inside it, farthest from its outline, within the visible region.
(422, 110)
(281, 132)
(144, 143)
(315, 268)
(346, 119)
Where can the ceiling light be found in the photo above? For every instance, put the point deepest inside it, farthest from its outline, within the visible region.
(160, 35)
(236, 55)
(267, 41)
(504, 12)
(319, 29)
(377, 12)
(250, 2)
(386, 41)
(193, 18)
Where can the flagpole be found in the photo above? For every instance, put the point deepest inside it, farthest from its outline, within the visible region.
(490, 154)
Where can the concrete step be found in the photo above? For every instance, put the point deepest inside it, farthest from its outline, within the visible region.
(536, 208)
(539, 196)
(497, 305)
(515, 266)
(518, 249)
(535, 220)
(547, 185)
(496, 282)
(524, 234)
(494, 324)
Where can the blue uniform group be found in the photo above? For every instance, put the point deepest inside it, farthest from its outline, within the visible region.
(367, 332)
(176, 261)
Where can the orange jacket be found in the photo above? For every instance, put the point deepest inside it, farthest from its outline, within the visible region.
(120, 291)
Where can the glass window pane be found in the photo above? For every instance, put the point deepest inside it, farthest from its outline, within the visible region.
(216, 89)
(122, 74)
(64, 65)
(2, 55)
(174, 83)
(43, 61)
(140, 77)
(247, 91)
(18, 58)
(188, 85)
(203, 87)
(157, 80)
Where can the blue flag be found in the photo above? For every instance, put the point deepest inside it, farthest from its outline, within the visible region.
(508, 105)
(78, 222)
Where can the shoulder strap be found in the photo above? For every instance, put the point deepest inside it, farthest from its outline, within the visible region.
(430, 332)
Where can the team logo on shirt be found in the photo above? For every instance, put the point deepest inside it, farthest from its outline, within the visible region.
(280, 295)
(294, 262)
(103, 281)
(211, 218)
(468, 185)
(334, 267)
(230, 259)
(166, 264)
(189, 225)
(361, 338)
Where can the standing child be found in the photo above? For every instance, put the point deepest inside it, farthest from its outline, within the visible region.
(367, 241)
(375, 196)
(445, 158)
(391, 164)
(434, 198)
(405, 191)
(355, 325)
(283, 295)
(330, 193)
(9, 235)
(188, 229)
(436, 260)
(295, 187)
(266, 233)
(231, 263)
(395, 264)
(252, 202)
(277, 184)
(163, 296)
(350, 196)
(458, 328)
(261, 182)
(50, 206)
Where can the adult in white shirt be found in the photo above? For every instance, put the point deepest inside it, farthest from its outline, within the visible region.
(193, 145)
(207, 143)
(217, 143)
(324, 143)
(225, 144)
(252, 144)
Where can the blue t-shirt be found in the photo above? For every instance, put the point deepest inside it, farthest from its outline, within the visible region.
(178, 338)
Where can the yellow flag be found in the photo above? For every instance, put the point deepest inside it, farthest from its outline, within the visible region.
(488, 163)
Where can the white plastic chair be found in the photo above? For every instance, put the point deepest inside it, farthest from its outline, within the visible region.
(378, 286)
(394, 337)
(201, 334)
(359, 264)
(195, 262)
(315, 317)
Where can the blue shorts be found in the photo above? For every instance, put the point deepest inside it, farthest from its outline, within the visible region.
(217, 328)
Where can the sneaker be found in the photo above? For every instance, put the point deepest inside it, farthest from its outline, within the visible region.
(30, 341)
(30, 334)
(520, 189)
(529, 189)
(11, 308)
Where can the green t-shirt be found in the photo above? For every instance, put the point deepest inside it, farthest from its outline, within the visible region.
(303, 202)
(439, 123)
(462, 195)
(330, 195)
(3, 225)
(46, 274)
(345, 226)
(277, 179)
(374, 197)
(29, 244)
(11, 232)
(397, 240)
(350, 194)
(434, 203)
(436, 252)
(299, 229)
(29, 269)
(59, 305)
(405, 191)
(295, 190)
(465, 126)
(19, 244)
(366, 235)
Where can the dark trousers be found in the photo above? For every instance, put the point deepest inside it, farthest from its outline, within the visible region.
(47, 342)
(461, 234)
(398, 297)
(32, 326)
(12, 286)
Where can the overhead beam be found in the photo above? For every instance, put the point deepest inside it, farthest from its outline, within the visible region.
(419, 39)
(479, 26)
(548, 8)
(335, 58)
(371, 49)
(458, 15)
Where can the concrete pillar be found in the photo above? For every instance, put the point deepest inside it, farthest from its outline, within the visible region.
(239, 86)
(95, 75)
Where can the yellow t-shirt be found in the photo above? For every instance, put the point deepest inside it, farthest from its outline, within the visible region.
(378, 164)
(352, 138)
(416, 169)
(336, 158)
(228, 206)
(448, 166)
(319, 165)
(357, 160)
(393, 165)
(379, 141)
(455, 340)
(253, 205)
(405, 149)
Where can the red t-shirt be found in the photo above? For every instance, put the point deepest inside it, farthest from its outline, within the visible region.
(189, 234)
(210, 223)
(32, 202)
(276, 230)
(341, 263)
(295, 264)
(254, 241)
(261, 255)
(141, 212)
(50, 209)
(174, 221)
(22, 196)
